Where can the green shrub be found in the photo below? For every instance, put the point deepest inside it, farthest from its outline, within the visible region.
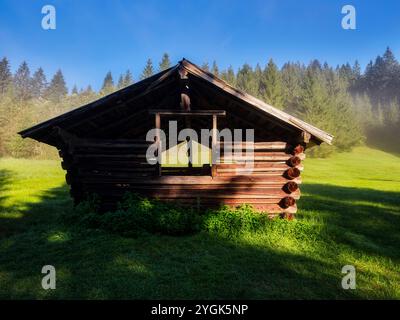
(136, 215)
(230, 222)
(86, 213)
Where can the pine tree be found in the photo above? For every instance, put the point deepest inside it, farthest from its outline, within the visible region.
(39, 83)
(272, 83)
(148, 70)
(128, 78)
(215, 70)
(356, 71)
(291, 75)
(57, 89)
(120, 84)
(89, 89)
(125, 80)
(108, 84)
(258, 78)
(391, 77)
(230, 76)
(381, 79)
(5, 75)
(87, 95)
(245, 80)
(390, 61)
(346, 73)
(314, 101)
(74, 90)
(315, 65)
(165, 62)
(205, 66)
(22, 82)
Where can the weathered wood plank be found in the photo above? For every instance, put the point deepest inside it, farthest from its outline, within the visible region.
(190, 180)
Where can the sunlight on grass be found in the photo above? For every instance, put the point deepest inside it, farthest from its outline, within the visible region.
(58, 236)
(131, 264)
(11, 215)
(29, 180)
(370, 168)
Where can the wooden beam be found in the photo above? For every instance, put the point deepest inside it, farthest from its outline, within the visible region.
(214, 145)
(158, 140)
(188, 113)
(185, 103)
(305, 137)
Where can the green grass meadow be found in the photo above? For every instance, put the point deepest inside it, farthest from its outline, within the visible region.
(349, 214)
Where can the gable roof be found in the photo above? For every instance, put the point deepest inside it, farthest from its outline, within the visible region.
(43, 131)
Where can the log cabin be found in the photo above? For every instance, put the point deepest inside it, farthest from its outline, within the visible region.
(103, 144)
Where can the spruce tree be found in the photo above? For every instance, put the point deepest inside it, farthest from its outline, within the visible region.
(215, 70)
(128, 78)
(57, 89)
(291, 75)
(74, 90)
(205, 66)
(165, 62)
(87, 95)
(245, 80)
(5, 75)
(39, 83)
(314, 104)
(120, 84)
(258, 78)
(356, 71)
(22, 82)
(390, 61)
(108, 84)
(272, 83)
(148, 70)
(230, 76)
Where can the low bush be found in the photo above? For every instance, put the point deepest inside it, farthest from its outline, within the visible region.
(227, 221)
(136, 215)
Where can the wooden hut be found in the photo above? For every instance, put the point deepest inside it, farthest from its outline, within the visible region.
(103, 144)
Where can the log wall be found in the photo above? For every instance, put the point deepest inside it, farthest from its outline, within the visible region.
(111, 168)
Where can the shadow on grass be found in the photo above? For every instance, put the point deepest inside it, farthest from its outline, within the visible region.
(92, 264)
(367, 219)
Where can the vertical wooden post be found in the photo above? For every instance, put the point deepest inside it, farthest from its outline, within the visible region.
(190, 153)
(214, 146)
(158, 140)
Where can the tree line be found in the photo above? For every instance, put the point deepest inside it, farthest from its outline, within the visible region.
(354, 106)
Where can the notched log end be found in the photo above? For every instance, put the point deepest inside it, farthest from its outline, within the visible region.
(290, 187)
(292, 173)
(287, 202)
(293, 161)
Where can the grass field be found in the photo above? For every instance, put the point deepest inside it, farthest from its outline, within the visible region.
(349, 214)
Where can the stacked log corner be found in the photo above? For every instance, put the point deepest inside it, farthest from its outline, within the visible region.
(112, 168)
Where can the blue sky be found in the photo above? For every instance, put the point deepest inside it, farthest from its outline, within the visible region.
(93, 37)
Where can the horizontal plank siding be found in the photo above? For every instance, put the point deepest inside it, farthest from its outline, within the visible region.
(112, 168)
